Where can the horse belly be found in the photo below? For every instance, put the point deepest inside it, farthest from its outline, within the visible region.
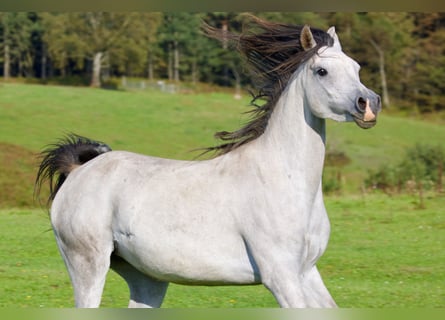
(181, 259)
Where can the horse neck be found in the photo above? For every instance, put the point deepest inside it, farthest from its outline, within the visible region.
(294, 139)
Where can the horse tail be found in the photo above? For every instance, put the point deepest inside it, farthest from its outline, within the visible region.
(60, 158)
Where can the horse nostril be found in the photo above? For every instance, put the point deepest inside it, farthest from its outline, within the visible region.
(361, 104)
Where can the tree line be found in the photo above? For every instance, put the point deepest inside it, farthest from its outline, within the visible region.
(402, 54)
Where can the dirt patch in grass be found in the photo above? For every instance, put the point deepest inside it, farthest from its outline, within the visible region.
(18, 167)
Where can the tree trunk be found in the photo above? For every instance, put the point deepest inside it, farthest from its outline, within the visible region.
(225, 29)
(20, 67)
(170, 62)
(150, 73)
(6, 62)
(6, 50)
(176, 61)
(194, 72)
(43, 63)
(439, 176)
(97, 63)
(237, 84)
(385, 95)
(421, 197)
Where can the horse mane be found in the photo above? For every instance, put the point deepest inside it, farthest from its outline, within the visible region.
(273, 52)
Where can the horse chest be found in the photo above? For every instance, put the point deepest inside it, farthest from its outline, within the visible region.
(316, 236)
(298, 230)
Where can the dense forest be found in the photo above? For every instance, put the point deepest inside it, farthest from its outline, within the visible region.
(402, 54)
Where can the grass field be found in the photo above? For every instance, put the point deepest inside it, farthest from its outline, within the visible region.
(383, 251)
(164, 125)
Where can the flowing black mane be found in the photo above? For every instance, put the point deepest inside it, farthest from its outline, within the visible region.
(273, 52)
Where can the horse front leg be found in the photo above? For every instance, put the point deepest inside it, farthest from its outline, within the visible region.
(318, 290)
(292, 285)
(294, 289)
(287, 285)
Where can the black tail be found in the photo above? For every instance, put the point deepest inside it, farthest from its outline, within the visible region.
(60, 158)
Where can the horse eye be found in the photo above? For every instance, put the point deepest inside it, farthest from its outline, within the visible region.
(322, 72)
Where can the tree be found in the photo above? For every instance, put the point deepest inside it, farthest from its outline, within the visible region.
(91, 35)
(150, 24)
(420, 169)
(312, 19)
(16, 42)
(389, 35)
(99, 32)
(176, 36)
(226, 61)
(427, 81)
(402, 54)
(59, 40)
(135, 54)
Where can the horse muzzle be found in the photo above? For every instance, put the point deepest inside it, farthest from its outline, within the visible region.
(366, 111)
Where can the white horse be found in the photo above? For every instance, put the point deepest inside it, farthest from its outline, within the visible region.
(254, 214)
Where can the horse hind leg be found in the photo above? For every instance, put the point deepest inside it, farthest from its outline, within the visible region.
(145, 292)
(88, 270)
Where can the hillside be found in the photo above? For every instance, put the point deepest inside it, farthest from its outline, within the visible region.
(165, 125)
(384, 144)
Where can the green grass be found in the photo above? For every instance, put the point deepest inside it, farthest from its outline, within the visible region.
(383, 252)
(149, 122)
(385, 143)
(166, 125)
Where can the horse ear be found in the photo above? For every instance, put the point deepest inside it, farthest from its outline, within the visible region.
(307, 39)
(333, 34)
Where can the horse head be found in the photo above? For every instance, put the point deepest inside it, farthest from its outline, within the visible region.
(332, 82)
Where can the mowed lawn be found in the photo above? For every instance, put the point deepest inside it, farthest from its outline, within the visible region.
(383, 251)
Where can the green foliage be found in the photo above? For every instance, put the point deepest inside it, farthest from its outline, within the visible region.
(407, 49)
(123, 40)
(182, 44)
(335, 161)
(16, 29)
(332, 183)
(421, 168)
(336, 158)
(429, 84)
